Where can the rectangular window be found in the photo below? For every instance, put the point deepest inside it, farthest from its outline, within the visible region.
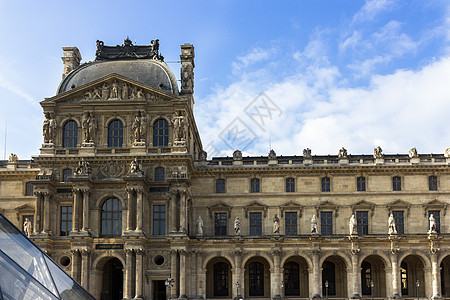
(220, 186)
(326, 222)
(220, 224)
(432, 183)
(28, 189)
(399, 221)
(254, 185)
(255, 223)
(290, 185)
(396, 183)
(362, 222)
(159, 219)
(361, 184)
(66, 221)
(326, 184)
(159, 175)
(437, 218)
(290, 224)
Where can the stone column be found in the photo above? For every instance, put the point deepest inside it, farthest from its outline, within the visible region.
(130, 192)
(46, 225)
(173, 211)
(86, 210)
(276, 278)
(173, 273)
(85, 268)
(76, 209)
(316, 282)
(183, 211)
(75, 264)
(128, 274)
(200, 282)
(139, 273)
(182, 274)
(395, 281)
(435, 274)
(38, 212)
(139, 209)
(356, 276)
(237, 292)
(193, 262)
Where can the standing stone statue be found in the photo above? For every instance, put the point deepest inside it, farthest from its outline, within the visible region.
(135, 166)
(89, 126)
(352, 225)
(276, 224)
(48, 128)
(179, 127)
(139, 127)
(27, 227)
(391, 223)
(342, 153)
(377, 152)
(237, 226)
(433, 228)
(313, 224)
(114, 90)
(200, 226)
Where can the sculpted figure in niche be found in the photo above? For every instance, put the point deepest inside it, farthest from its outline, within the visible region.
(135, 166)
(105, 91)
(352, 225)
(237, 226)
(391, 223)
(433, 227)
(313, 224)
(114, 90)
(377, 152)
(342, 153)
(139, 127)
(179, 127)
(27, 227)
(48, 128)
(125, 90)
(276, 224)
(83, 168)
(89, 126)
(200, 226)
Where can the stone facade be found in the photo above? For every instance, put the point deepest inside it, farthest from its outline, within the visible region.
(123, 197)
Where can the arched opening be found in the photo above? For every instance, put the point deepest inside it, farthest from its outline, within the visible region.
(218, 278)
(112, 280)
(445, 277)
(411, 272)
(373, 271)
(257, 278)
(295, 278)
(334, 274)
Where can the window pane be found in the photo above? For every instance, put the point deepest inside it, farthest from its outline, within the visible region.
(254, 185)
(159, 219)
(159, 174)
(396, 183)
(361, 184)
(255, 223)
(326, 222)
(220, 186)
(115, 134)
(326, 186)
(220, 224)
(111, 217)
(432, 183)
(290, 223)
(290, 185)
(66, 220)
(161, 133)
(362, 222)
(399, 221)
(70, 134)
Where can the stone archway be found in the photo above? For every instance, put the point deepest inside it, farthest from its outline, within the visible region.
(257, 278)
(411, 272)
(218, 278)
(334, 272)
(109, 279)
(373, 269)
(295, 277)
(445, 277)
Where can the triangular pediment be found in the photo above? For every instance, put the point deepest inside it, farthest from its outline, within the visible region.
(220, 206)
(255, 206)
(435, 205)
(398, 204)
(363, 204)
(112, 87)
(24, 207)
(291, 205)
(326, 203)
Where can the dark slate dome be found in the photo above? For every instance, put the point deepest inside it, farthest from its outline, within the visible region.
(151, 72)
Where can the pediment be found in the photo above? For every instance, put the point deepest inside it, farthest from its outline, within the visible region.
(291, 205)
(255, 206)
(363, 204)
(112, 87)
(399, 204)
(434, 205)
(220, 206)
(24, 207)
(327, 205)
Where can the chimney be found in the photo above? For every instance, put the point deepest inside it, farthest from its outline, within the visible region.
(187, 69)
(71, 59)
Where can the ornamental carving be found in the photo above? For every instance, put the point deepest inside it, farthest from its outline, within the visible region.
(128, 50)
(112, 169)
(180, 128)
(89, 127)
(139, 128)
(49, 128)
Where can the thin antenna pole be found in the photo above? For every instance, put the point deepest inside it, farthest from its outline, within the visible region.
(6, 130)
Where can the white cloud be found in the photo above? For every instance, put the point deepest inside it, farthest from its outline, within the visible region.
(372, 8)
(351, 41)
(255, 55)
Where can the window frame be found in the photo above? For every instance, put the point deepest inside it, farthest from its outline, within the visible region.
(362, 227)
(160, 221)
(221, 230)
(220, 183)
(67, 221)
(66, 177)
(255, 224)
(400, 227)
(161, 133)
(290, 229)
(326, 225)
(432, 183)
(396, 183)
(325, 184)
(115, 222)
(29, 188)
(361, 184)
(255, 185)
(115, 134)
(70, 140)
(160, 174)
(290, 185)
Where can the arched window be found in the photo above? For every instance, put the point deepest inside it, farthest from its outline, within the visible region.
(254, 185)
(115, 134)
(67, 173)
(366, 278)
(328, 276)
(221, 279)
(161, 133)
(70, 134)
(111, 218)
(291, 279)
(256, 279)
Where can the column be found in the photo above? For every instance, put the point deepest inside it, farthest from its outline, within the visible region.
(76, 208)
(75, 264)
(356, 277)
(139, 269)
(45, 227)
(316, 282)
(85, 268)
(86, 210)
(276, 278)
(200, 282)
(128, 276)
(435, 274)
(183, 211)
(182, 274)
(395, 282)
(130, 209)
(173, 273)
(173, 211)
(38, 212)
(139, 209)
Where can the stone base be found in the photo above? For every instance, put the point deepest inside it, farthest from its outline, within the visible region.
(182, 297)
(395, 296)
(355, 296)
(276, 297)
(88, 144)
(238, 297)
(139, 144)
(138, 149)
(316, 296)
(79, 233)
(179, 149)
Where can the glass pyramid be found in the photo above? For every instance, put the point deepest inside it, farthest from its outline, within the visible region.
(26, 272)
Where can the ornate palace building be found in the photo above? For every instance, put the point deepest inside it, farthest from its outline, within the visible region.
(123, 197)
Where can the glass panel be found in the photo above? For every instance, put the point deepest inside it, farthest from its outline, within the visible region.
(291, 223)
(24, 253)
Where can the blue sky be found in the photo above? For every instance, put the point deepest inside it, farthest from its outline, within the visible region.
(331, 73)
